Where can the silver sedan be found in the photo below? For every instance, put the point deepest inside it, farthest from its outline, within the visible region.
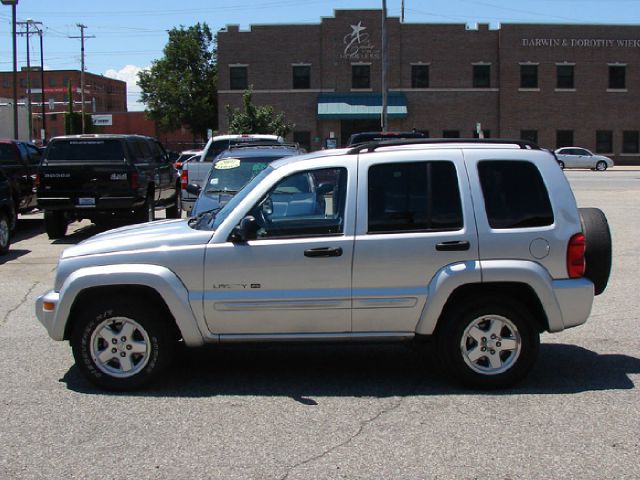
(578, 157)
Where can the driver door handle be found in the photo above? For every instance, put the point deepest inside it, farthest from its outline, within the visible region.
(456, 245)
(323, 252)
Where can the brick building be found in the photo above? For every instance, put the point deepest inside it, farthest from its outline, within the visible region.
(555, 84)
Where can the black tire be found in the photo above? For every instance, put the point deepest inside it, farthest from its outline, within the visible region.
(175, 211)
(55, 223)
(595, 228)
(146, 213)
(5, 233)
(498, 365)
(99, 341)
(601, 166)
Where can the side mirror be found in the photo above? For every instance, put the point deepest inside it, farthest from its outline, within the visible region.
(194, 189)
(245, 231)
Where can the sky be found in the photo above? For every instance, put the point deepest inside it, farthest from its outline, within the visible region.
(128, 35)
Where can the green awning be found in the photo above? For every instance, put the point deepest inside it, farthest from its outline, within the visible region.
(344, 106)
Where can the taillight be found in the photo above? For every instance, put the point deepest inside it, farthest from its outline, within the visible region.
(575, 256)
(184, 179)
(133, 178)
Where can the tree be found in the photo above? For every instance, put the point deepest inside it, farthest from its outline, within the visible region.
(256, 119)
(73, 120)
(180, 88)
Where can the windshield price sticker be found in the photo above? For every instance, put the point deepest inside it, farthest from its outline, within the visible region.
(227, 164)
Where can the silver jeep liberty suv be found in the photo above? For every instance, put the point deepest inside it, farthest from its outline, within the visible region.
(477, 244)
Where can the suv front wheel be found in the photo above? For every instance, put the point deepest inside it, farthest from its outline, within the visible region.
(124, 346)
(488, 343)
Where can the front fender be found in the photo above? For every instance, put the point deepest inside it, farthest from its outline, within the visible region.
(160, 279)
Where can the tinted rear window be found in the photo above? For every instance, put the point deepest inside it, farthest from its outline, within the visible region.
(220, 146)
(514, 194)
(85, 150)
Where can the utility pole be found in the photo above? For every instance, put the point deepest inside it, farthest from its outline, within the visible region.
(44, 117)
(28, 34)
(13, 4)
(82, 37)
(385, 67)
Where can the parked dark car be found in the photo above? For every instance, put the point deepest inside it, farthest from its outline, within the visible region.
(233, 169)
(104, 177)
(20, 160)
(7, 213)
(363, 137)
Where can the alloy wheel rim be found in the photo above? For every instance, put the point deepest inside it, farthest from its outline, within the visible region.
(120, 347)
(491, 344)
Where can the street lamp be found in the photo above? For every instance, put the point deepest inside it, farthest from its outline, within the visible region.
(13, 4)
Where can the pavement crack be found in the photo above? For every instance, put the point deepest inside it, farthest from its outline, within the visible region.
(356, 434)
(5, 319)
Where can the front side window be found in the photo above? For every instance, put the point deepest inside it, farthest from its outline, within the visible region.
(528, 76)
(416, 196)
(481, 76)
(305, 204)
(515, 195)
(360, 76)
(238, 78)
(419, 76)
(617, 77)
(301, 76)
(565, 78)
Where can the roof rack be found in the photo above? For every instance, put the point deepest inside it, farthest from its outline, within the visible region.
(263, 144)
(372, 146)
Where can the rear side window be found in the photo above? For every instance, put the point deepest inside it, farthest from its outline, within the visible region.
(94, 150)
(417, 196)
(8, 154)
(514, 194)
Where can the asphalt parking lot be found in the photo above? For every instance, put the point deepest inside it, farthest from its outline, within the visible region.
(331, 412)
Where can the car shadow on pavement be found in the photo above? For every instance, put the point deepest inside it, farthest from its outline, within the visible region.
(27, 228)
(13, 255)
(304, 372)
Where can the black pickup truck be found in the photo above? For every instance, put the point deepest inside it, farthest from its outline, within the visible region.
(7, 212)
(104, 177)
(19, 160)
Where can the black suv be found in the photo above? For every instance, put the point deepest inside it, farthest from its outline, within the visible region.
(20, 160)
(7, 213)
(103, 177)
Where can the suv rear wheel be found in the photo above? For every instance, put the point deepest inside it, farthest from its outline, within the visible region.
(55, 223)
(124, 346)
(488, 342)
(147, 212)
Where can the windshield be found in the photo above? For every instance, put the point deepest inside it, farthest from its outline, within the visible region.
(85, 150)
(230, 174)
(224, 212)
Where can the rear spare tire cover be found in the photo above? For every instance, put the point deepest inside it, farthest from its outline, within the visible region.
(598, 247)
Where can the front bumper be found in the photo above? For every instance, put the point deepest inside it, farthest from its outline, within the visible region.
(46, 308)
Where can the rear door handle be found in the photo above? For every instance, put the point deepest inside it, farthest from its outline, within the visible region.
(456, 245)
(323, 252)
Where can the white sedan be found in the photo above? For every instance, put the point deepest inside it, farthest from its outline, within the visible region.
(578, 157)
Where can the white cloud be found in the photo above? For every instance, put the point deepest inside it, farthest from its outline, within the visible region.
(129, 74)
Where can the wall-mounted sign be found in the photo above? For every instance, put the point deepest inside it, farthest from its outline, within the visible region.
(102, 120)
(580, 43)
(358, 45)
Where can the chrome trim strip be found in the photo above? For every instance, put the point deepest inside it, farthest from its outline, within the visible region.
(407, 302)
(281, 305)
(316, 337)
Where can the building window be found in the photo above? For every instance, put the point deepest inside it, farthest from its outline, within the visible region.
(529, 135)
(481, 76)
(65, 81)
(303, 139)
(52, 81)
(301, 76)
(564, 138)
(565, 77)
(451, 134)
(528, 76)
(617, 77)
(238, 78)
(360, 76)
(604, 141)
(23, 83)
(630, 141)
(419, 76)
(6, 82)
